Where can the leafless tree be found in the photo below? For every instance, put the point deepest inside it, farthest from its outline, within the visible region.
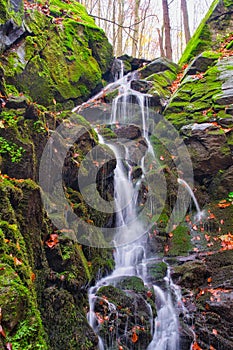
(184, 11)
(167, 29)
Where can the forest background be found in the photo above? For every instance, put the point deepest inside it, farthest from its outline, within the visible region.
(148, 28)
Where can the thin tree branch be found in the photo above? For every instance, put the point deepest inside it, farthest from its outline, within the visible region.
(170, 3)
(93, 6)
(124, 27)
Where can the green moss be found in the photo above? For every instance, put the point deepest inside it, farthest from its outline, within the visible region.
(7, 12)
(225, 150)
(11, 149)
(109, 97)
(107, 133)
(230, 139)
(228, 3)
(132, 283)
(81, 49)
(20, 316)
(194, 99)
(201, 40)
(115, 295)
(159, 78)
(211, 54)
(84, 262)
(196, 106)
(157, 270)
(72, 9)
(181, 241)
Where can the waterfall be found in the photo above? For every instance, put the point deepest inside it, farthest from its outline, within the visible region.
(130, 239)
(200, 214)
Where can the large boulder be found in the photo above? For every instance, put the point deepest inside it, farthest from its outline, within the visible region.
(207, 145)
(58, 58)
(124, 312)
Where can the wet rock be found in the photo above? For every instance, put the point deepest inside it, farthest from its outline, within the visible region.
(64, 318)
(137, 150)
(222, 183)
(229, 109)
(117, 69)
(136, 173)
(190, 274)
(224, 98)
(31, 112)
(208, 297)
(16, 4)
(142, 86)
(131, 63)
(157, 270)
(158, 65)
(201, 63)
(10, 32)
(208, 148)
(226, 122)
(124, 315)
(128, 132)
(17, 102)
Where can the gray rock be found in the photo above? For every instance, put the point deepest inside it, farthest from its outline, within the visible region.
(128, 132)
(208, 147)
(159, 65)
(17, 102)
(200, 64)
(16, 4)
(224, 98)
(10, 32)
(142, 86)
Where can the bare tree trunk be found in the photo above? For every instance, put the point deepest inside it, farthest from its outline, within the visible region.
(99, 13)
(120, 29)
(114, 20)
(167, 30)
(136, 28)
(162, 53)
(184, 11)
(142, 29)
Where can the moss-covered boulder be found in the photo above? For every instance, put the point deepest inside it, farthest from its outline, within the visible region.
(60, 57)
(124, 312)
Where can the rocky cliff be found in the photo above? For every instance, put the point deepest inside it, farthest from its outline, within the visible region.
(53, 57)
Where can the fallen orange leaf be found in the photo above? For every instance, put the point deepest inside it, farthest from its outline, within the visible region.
(223, 204)
(134, 338)
(52, 241)
(195, 346)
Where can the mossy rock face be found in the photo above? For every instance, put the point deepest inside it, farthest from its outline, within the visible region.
(157, 270)
(180, 243)
(60, 59)
(208, 148)
(21, 320)
(124, 315)
(62, 317)
(204, 96)
(191, 274)
(23, 237)
(209, 35)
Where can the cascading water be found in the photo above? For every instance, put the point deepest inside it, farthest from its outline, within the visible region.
(200, 214)
(131, 258)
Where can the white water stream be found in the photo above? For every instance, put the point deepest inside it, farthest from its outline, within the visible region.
(131, 259)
